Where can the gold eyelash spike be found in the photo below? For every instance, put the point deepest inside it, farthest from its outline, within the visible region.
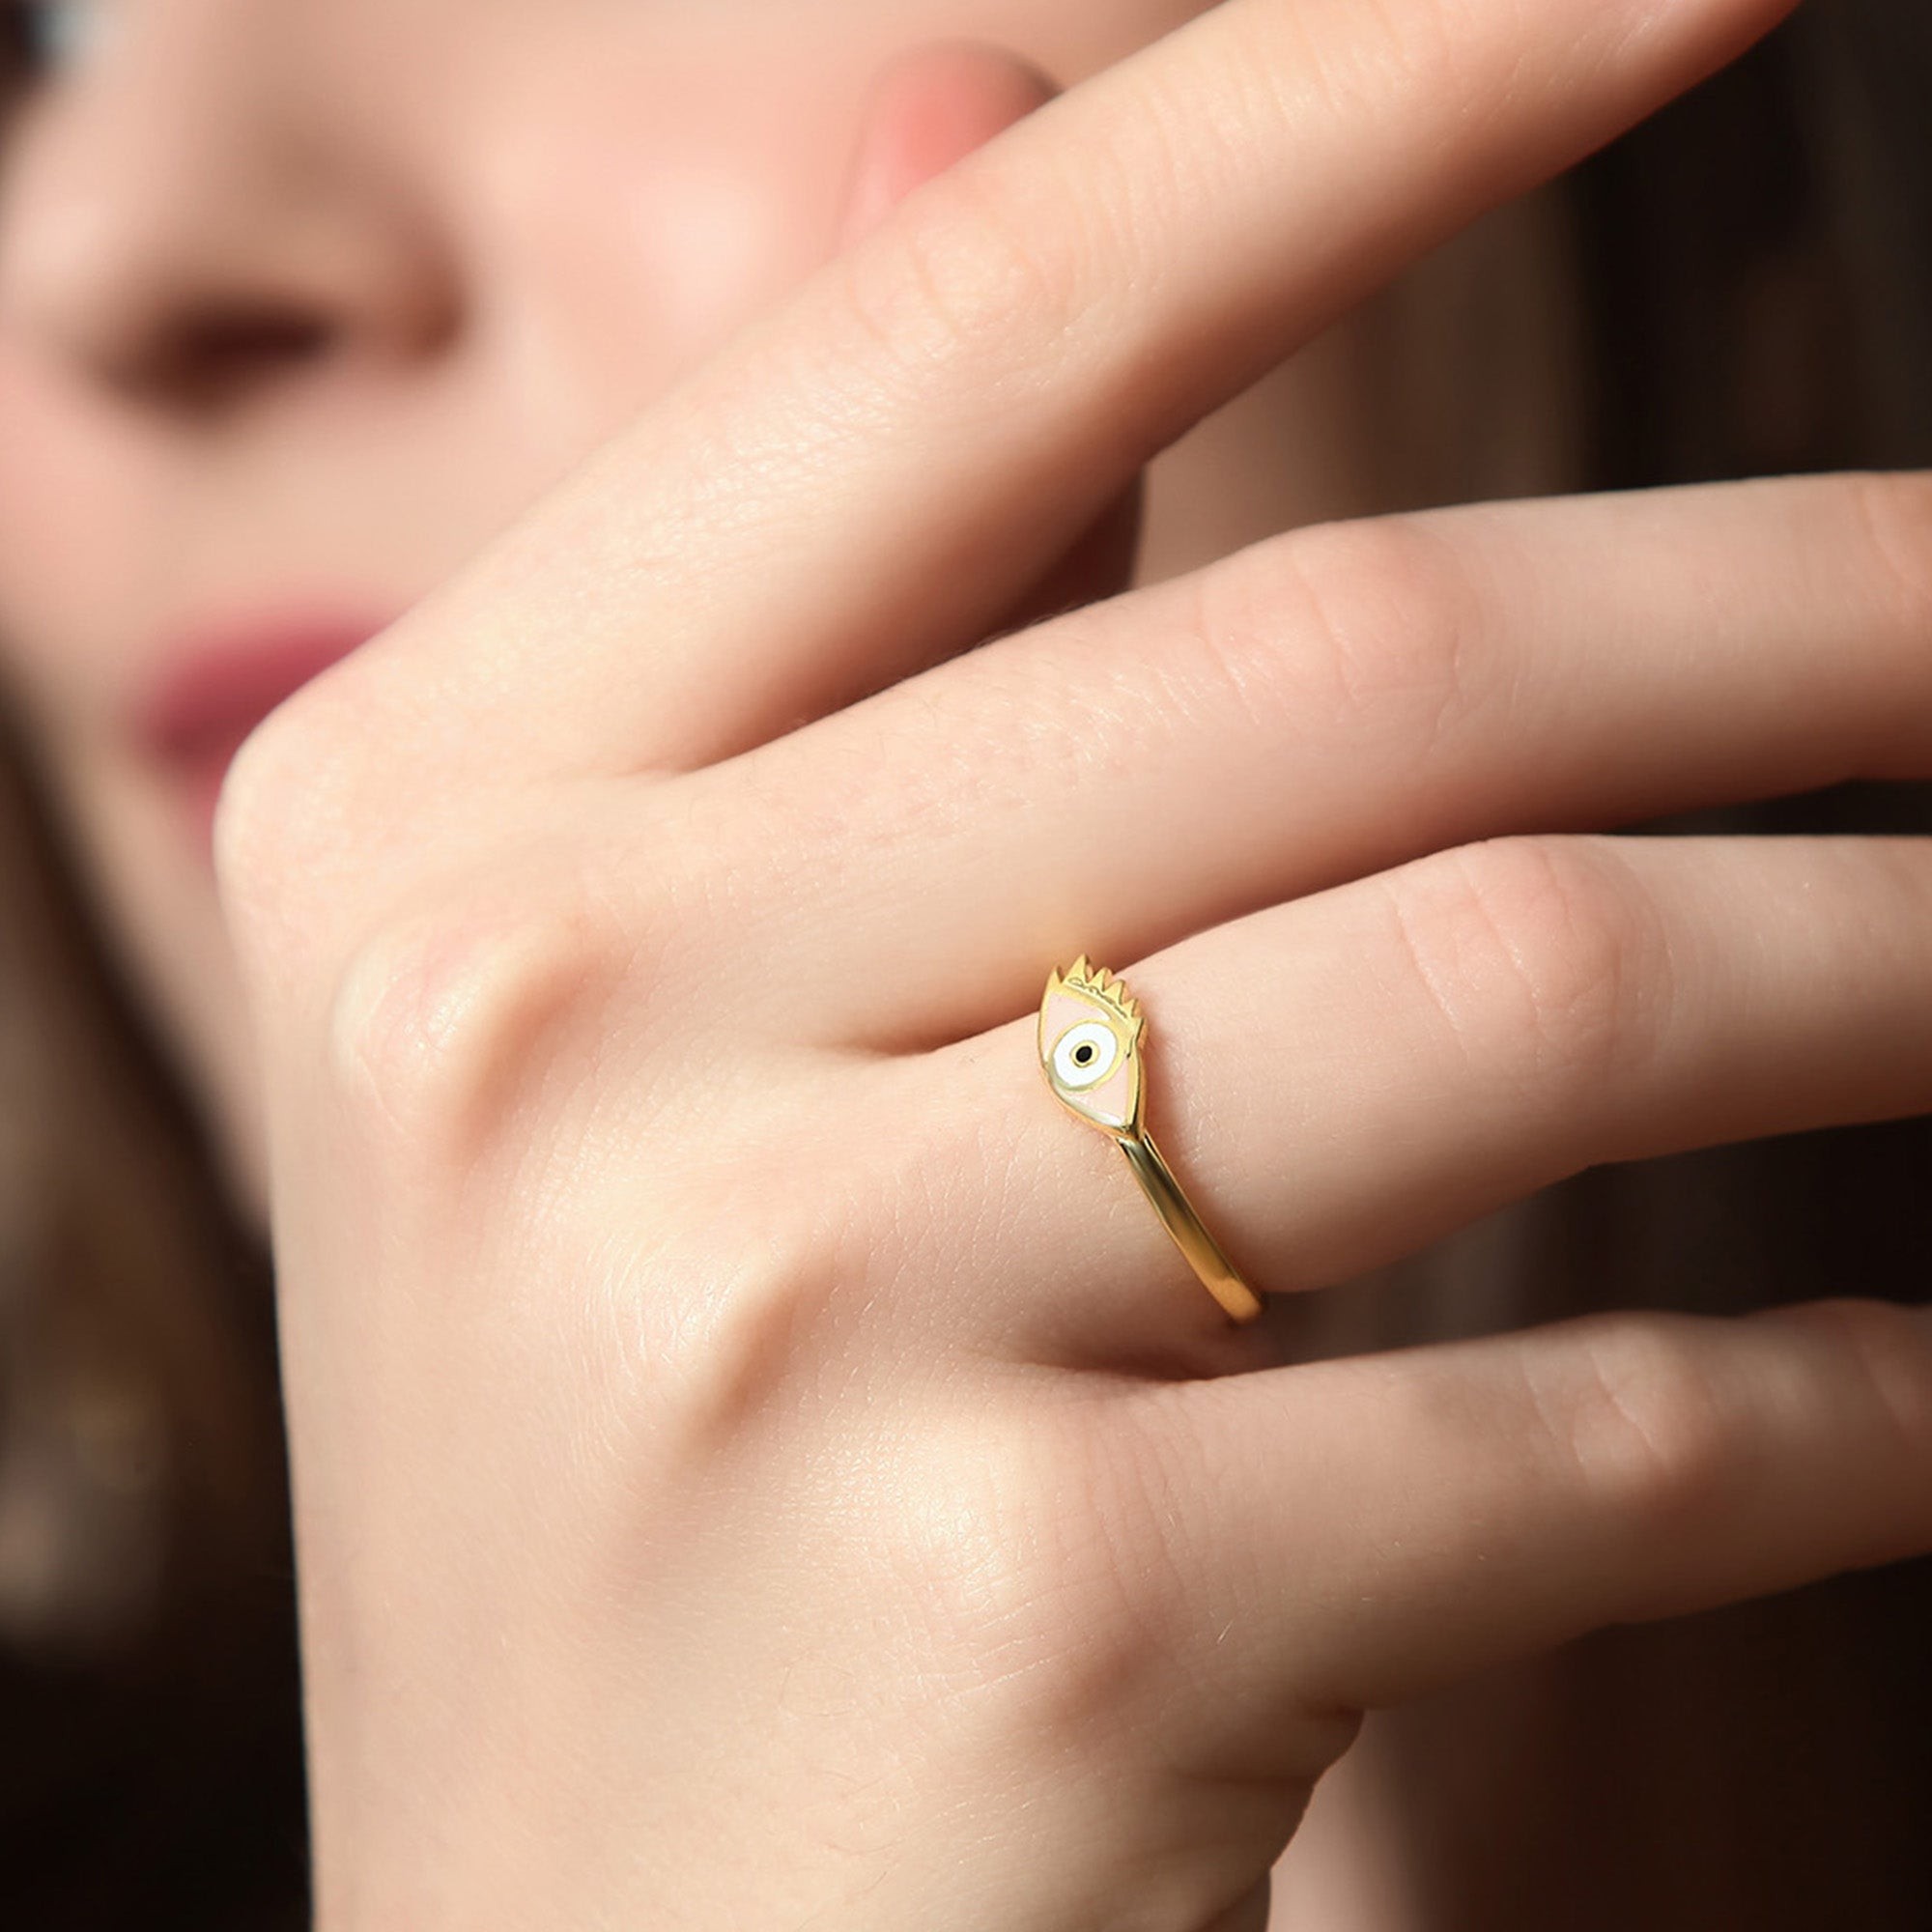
(1090, 1033)
(1107, 989)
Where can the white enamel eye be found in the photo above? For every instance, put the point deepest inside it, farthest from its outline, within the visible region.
(1085, 1055)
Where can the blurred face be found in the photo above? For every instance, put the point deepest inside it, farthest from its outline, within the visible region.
(302, 300)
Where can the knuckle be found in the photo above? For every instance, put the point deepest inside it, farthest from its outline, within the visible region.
(717, 1338)
(1369, 627)
(267, 803)
(1646, 1425)
(1882, 1351)
(438, 1017)
(288, 787)
(1892, 515)
(960, 274)
(1042, 1600)
(292, 806)
(1545, 958)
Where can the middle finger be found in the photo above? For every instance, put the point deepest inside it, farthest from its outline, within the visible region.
(1323, 706)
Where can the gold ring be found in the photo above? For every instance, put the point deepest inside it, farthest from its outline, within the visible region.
(1090, 1030)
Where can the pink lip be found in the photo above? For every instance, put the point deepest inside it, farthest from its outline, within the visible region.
(217, 685)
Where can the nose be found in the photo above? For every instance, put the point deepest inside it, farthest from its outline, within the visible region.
(190, 222)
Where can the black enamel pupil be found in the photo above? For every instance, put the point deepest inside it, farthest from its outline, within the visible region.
(1083, 1053)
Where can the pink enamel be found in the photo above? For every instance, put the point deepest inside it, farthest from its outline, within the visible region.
(1061, 1010)
(1113, 1100)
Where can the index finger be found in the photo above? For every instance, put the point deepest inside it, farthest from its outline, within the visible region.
(871, 478)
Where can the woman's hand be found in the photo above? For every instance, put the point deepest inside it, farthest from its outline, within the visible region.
(758, 1462)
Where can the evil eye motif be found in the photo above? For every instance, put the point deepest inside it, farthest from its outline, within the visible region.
(1089, 1030)
(1086, 1055)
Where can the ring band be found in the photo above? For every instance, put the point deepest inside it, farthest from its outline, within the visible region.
(1090, 1030)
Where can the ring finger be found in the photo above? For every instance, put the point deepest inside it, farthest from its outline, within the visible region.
(1340, 1080)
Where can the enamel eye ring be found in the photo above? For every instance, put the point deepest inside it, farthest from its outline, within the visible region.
(1091, 1032)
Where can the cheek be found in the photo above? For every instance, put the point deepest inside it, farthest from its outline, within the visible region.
(741, 209)
(75, 492)
(739, 199)
(620, 232)
(633, 199)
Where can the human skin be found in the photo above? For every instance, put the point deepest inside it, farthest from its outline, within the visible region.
(510, 260)
(754, 1461)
